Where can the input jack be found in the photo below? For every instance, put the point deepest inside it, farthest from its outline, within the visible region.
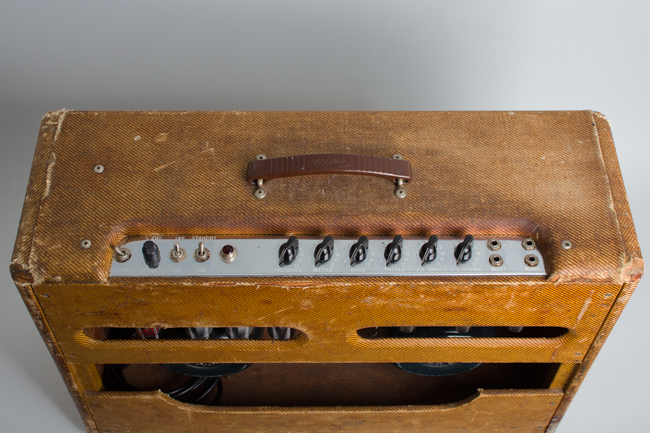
(528, 244)
(494, 244)
(531, 260)
(496, 260)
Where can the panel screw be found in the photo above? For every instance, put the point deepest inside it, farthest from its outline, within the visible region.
(98, 168)
(260, 193)
(566, 244)
(400, 193)
(86, 243)
(397, 156)
(260, 157)
(45, 296)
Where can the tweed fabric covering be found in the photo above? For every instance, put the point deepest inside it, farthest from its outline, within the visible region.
(490, 410)
(552, 176)
(185, 173)
(328, 317)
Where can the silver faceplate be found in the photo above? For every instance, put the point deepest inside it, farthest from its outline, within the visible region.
(259, 258)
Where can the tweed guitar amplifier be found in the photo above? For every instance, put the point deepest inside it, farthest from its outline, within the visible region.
(325, 271)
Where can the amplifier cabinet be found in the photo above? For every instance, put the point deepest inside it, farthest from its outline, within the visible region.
(317, 271)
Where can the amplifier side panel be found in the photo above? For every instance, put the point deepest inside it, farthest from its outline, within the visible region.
(38, 189)
(21, 272)
(632, 268)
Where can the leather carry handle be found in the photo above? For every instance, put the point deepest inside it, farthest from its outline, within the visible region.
(328, 163)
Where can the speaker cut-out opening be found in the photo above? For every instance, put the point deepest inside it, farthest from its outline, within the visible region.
(329, 385)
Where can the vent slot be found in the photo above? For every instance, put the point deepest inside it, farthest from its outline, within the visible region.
(462, 332)
(203, 333)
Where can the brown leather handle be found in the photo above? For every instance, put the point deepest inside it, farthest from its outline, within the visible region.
(329, 163)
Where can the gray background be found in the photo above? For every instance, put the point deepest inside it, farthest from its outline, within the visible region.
(334, 55)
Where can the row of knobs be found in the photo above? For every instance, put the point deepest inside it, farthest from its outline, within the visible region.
(358, 252)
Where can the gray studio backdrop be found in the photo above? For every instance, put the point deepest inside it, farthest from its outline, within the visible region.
(329, 55)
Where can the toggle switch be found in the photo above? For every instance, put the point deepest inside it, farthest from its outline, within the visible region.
(359, 250)
(428, 251)
(463, 251)
(323, 251)
(393, 251)
(177, 254)
(288, 251)
(151, 254)
(202, 254)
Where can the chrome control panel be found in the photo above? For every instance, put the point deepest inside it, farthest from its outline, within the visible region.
(329, 256)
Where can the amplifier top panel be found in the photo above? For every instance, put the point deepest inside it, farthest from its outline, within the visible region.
(102, 178)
